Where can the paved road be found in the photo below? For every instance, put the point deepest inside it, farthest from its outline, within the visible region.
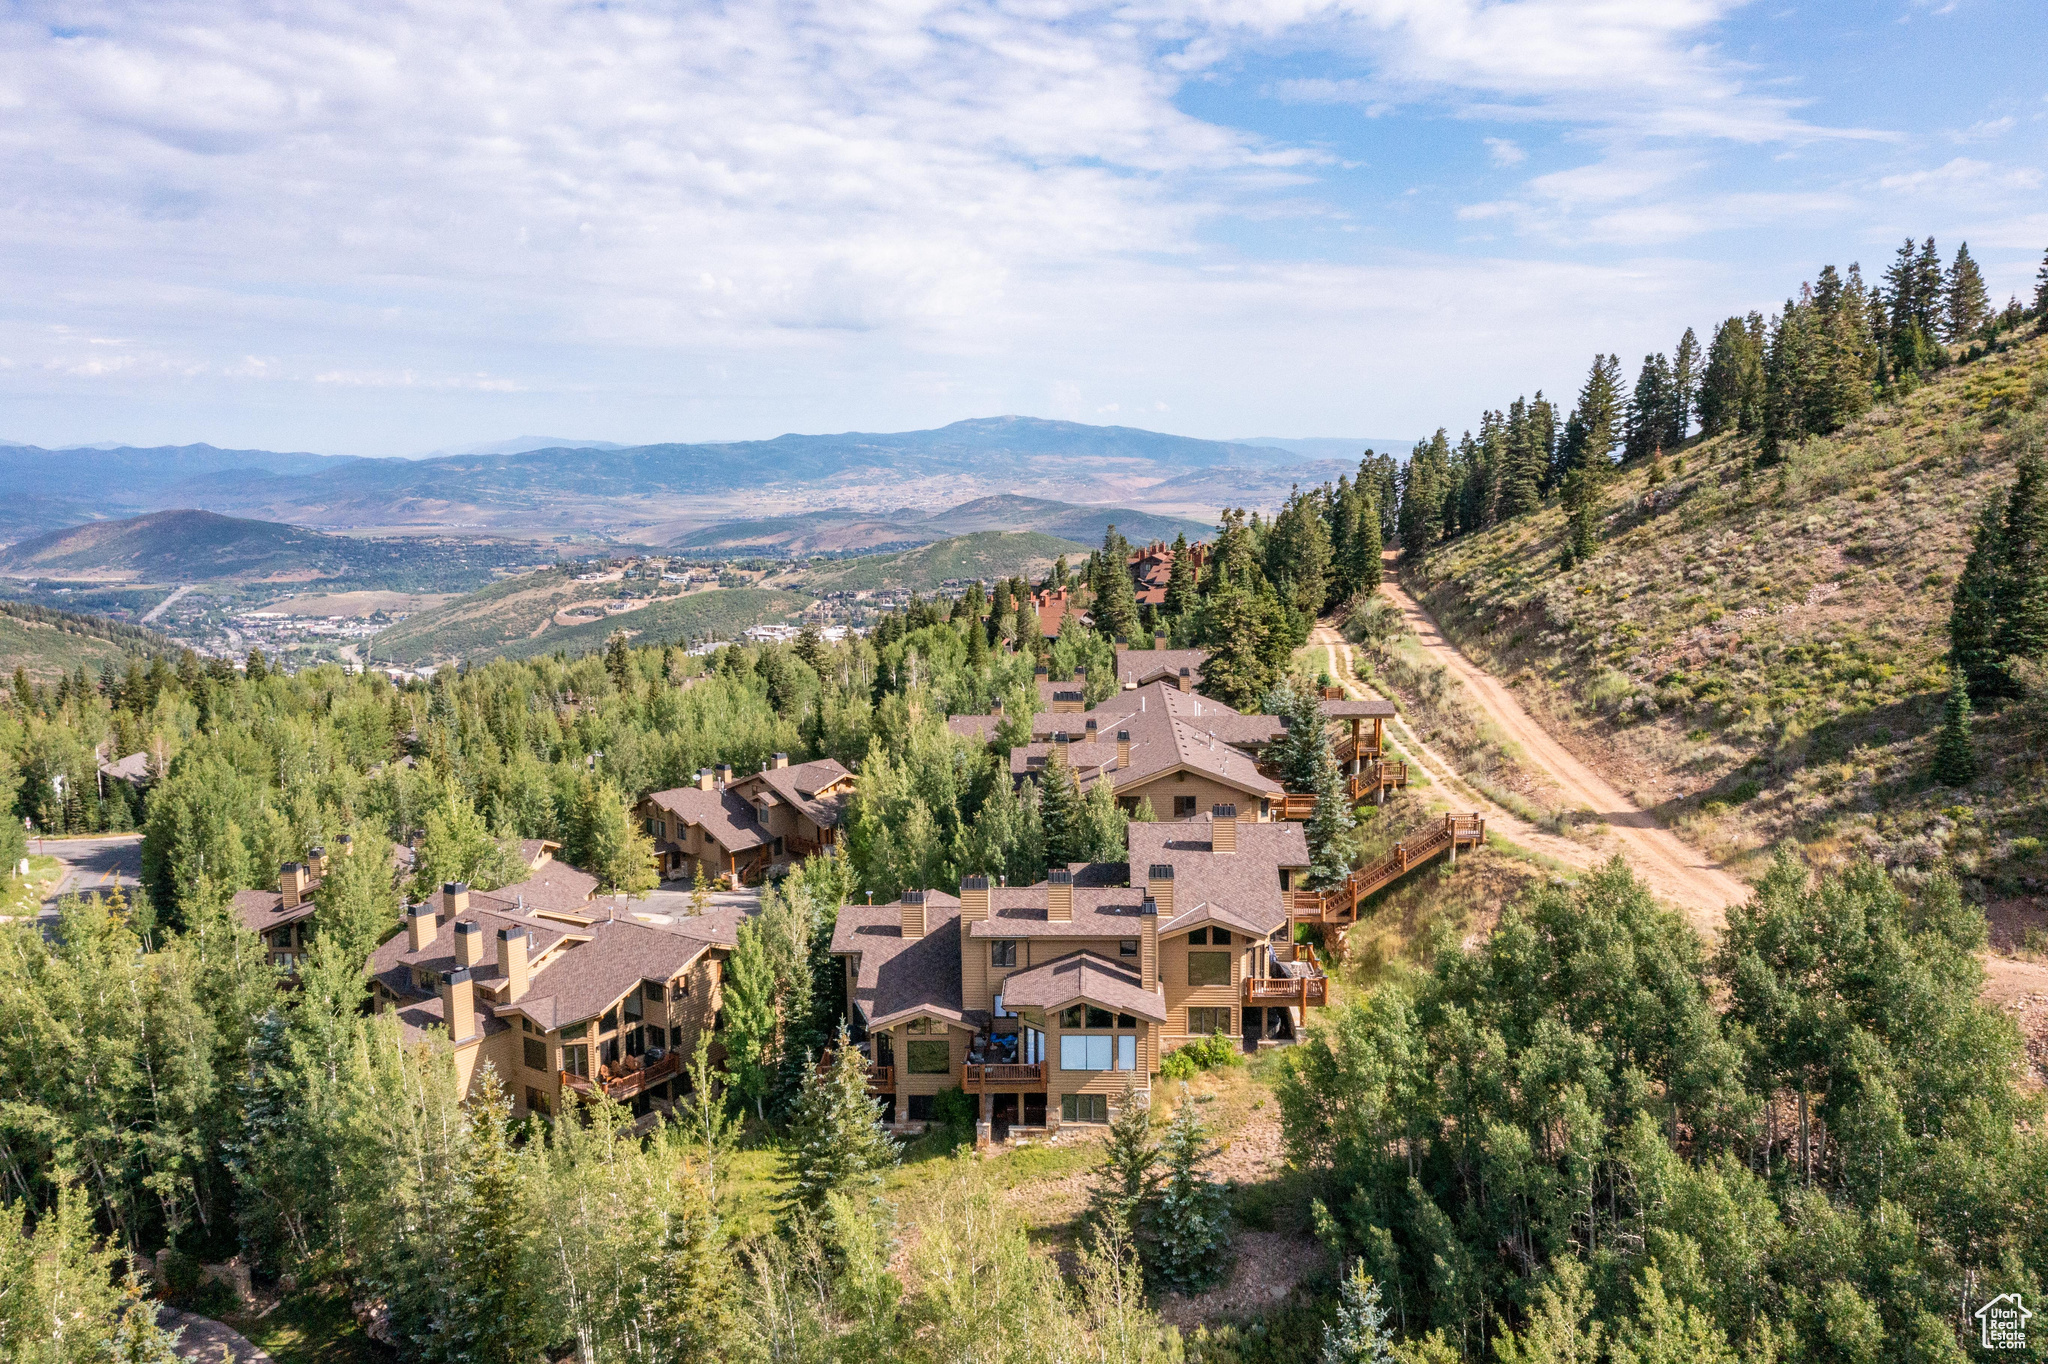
(92, 864)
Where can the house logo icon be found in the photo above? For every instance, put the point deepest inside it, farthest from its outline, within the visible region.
(2004, 1322)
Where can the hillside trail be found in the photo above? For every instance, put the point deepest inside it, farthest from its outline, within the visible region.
(1440, 770)
(1674, 869)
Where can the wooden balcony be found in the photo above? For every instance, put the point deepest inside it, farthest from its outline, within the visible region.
(1003, 1075)
(881, 1079)
(1301, 992)
(628, 1085)
(1295, 807)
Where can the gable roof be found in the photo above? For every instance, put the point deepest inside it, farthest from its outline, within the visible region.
(721, 812)
(1160, 743)
(1083, 976)
(1137, 667)
(894, 976)
(263, 910)
(800, 786)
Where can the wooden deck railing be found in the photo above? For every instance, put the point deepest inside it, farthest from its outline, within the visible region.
(1340, 905)
(628, 1085)
(1295, 807)
(1302, 992)
(1003, 1075)
(881, 1078)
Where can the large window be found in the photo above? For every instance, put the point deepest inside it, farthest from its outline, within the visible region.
(1203, 1022)
(576, 1060)
(1098, 1051)
(1203, 936)
(1208, 968)
(1002, 954)
(929, 1058)
(536, 1054)
(1084, 1108)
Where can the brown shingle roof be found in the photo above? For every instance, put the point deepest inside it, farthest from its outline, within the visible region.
(1245, 884)
(1141, 666)
(722, 813)
(896, 976)
(1371, 707)
(1160, 742)
(1083, 975)
(800, 785)
(263, 910)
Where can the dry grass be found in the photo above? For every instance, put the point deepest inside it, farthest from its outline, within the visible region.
(1760, 656)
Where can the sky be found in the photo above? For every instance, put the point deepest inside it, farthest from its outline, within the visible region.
(386, 228)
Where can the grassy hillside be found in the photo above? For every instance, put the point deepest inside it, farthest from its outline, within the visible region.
(1762, 655)
(722, 614)
(200, 546)
(824, 532)
(516, 618)
(989, 554)
(1066, 520)
(48, 644)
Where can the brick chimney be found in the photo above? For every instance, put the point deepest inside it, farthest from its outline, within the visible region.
(780, 761)
(1148, 943)
(291, 884)
(703, 779)
(1159, 886)
(913, 914)
(421, 926)
(512, 963)
(458, 1006)
(1059, 897)
(454, 898)
(469, 944)
(973, 900)
(1123, 750)
(1223, 830)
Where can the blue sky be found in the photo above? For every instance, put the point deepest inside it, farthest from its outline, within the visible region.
(386, 228)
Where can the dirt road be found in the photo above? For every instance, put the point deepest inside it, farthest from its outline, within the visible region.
(1675, 869)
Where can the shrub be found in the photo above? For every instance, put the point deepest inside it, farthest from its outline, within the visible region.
(1744, 792)
(952, 1107)
(1192, 1058)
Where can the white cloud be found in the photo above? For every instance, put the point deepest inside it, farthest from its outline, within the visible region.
(1504, 152)
(1963, 175)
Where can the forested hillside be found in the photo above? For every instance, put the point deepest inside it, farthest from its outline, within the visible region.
(45, 645)
(1749, 621)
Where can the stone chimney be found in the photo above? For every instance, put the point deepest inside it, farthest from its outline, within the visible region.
(512, 963)
(1148, 943)
(1159, 886)
(973, 900)
(780, 761)
(1223, 831)
(1123, 750)
(421, 925)
(1187, 679)
(291, 884)
(913, 914)
(458, 1006)
(316, 858)
(1059, 897)
(454, 898)
(469, 944)
(703, 779)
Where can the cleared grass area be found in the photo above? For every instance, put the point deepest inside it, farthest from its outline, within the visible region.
(24, 895)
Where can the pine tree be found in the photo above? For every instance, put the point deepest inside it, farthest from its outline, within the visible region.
(1955, 762)
(1059, 811)
(837, 1143)
(1648, 410)
(1581, 499)
(1328, 862)
(618, 659)
(1237, 633)
(1968, 306)
(2040, 313)
(1521, 480)
(1180, 579)
(1973, 613)
(1128, 1179)
(2021, 597)
(1597, 420)
(1103, 825)
(1115, 611)
(1682, 396)
(1189, 1216)
(1361, 1334)
(255, 669)
(491, 1300)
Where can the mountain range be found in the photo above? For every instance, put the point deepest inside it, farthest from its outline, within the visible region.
(621, 488)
